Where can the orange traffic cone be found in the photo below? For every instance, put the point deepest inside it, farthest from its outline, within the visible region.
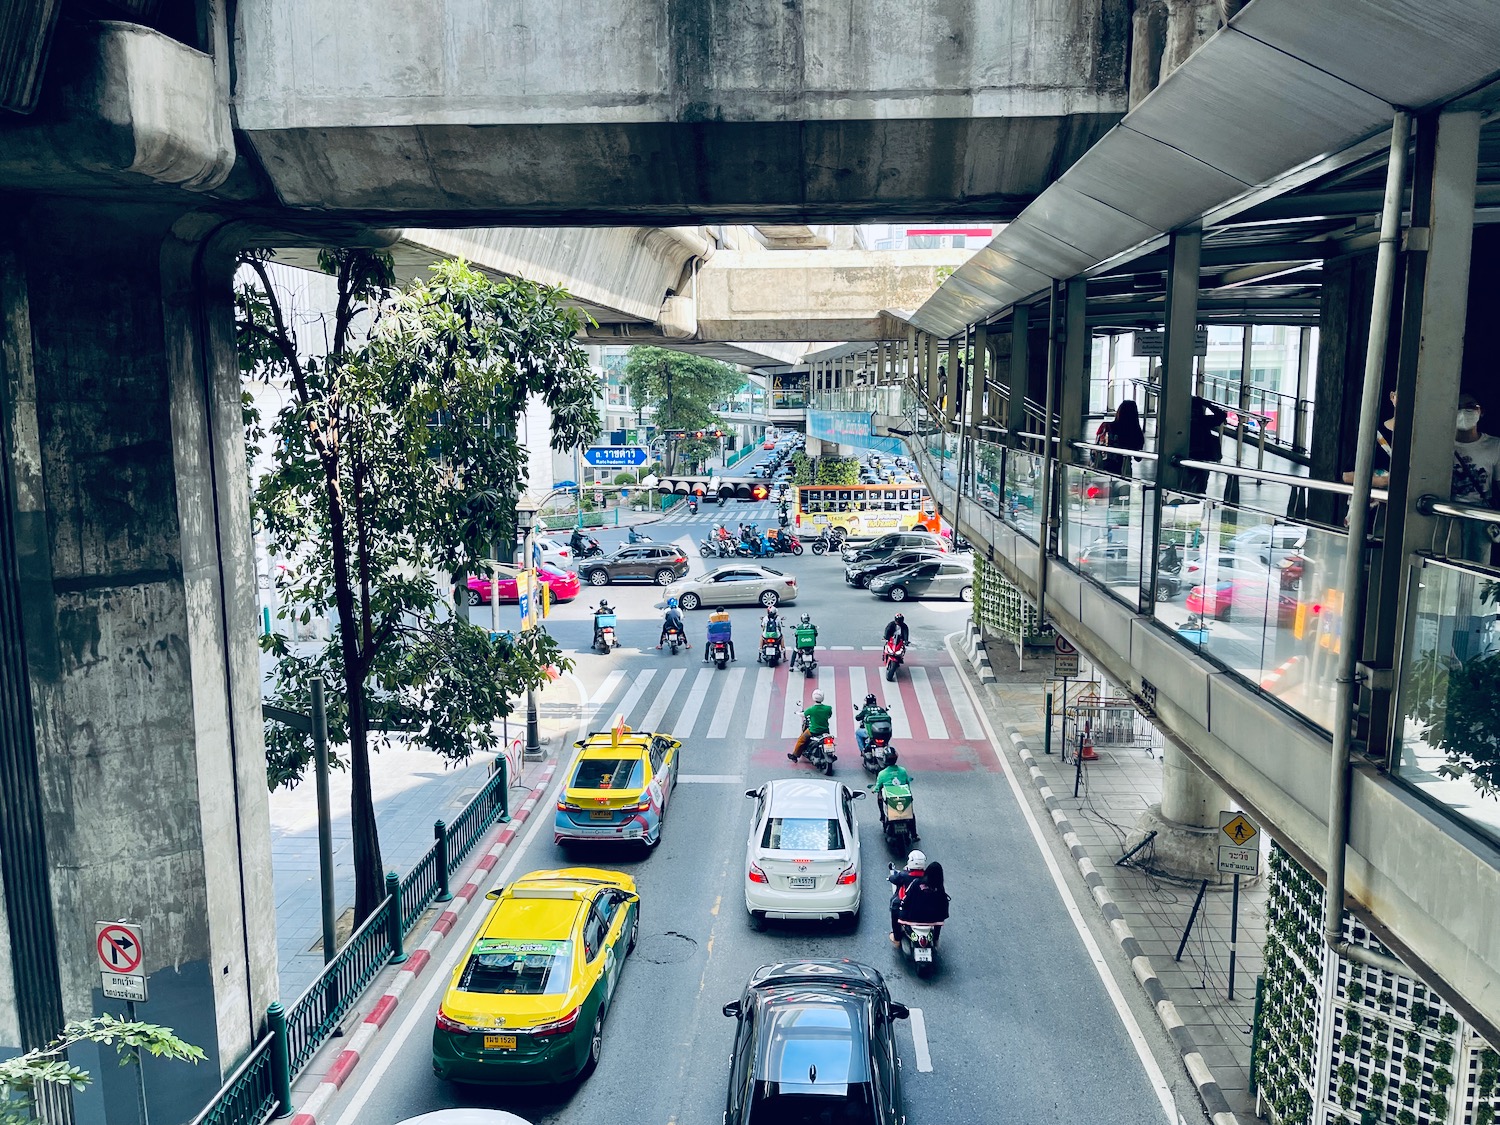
(1086, 750)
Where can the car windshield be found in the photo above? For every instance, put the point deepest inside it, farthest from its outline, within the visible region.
(812, 1050)
(518, 967)
(608, 773)
(802, 834)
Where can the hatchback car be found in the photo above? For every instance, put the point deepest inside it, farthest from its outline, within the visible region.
(619, 789)
(814, 1043)
(736, 584)
(859, 574)
(891, 543)
(526, 1005)
(643, 562)
(563, 584)
(802, 855)
(942, 578)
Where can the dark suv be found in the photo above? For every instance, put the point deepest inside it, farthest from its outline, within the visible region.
(892, 543)
(644, 562)
(815, 1043)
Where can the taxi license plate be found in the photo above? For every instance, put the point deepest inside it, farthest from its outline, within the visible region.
(802, 882)
(602, 814)
(499, 1042)
(923, 954)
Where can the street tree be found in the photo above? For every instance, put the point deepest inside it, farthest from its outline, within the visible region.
(683, 390)
(395, 461)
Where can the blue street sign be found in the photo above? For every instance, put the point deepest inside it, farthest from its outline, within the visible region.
(615, 456)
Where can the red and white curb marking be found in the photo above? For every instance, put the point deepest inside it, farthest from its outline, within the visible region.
(380, 1014)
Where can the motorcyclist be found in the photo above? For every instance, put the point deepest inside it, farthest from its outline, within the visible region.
(672, 619)
(634, 536)
(897, 628)
(577, 543)
(901, 879)
(893, 774)
(925, 901)
(869, 711)
(816, 718)
(603, 609)
(718, 630)
(1171, 560)
(770, 625)
(807, 640)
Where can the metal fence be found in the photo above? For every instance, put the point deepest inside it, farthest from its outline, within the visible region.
(260, 1087)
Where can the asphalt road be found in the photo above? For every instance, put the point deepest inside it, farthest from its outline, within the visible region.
(1017, 1024)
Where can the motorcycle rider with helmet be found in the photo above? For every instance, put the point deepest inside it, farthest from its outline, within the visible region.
(893, 774)
(868, 711)
(577, 542)
(770, 625)
(897, 628)
(672, 619)
(902, 879)
(816, 718)
(807, 640)
(718, 629)
(925, 902)
(603, 609)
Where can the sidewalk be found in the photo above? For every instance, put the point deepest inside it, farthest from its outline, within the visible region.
(1115, 790)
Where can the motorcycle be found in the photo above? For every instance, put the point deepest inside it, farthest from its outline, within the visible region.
(898, 817)
(805, 659)
(893, 656)
(708, 548)
(828, 540)
(919, 942)
(771, 650)
(877, 742)
(718, 652)
(755, 549)
(589, 549)
(692, 507)
(604, 632)
(675, 640)
(788, 544)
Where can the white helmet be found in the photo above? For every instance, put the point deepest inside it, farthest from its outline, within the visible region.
(818, 696)
(916, 861)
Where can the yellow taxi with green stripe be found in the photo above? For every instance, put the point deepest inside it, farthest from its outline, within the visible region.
(618, 788)
(526, 1005)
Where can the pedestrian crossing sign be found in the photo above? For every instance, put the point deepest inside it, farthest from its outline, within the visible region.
(1238, 827)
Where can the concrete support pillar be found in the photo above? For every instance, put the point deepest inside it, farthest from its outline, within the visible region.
(952, 389)
(1186, 822)
(128, 522)
(978, 375)
(1020, 370)
(1075, 358)
(934, 378)
(1176, 394)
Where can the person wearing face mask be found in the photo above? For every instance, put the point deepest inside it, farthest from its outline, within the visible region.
(1476, 465)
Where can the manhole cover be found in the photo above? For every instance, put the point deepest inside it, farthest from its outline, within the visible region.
(669, 948)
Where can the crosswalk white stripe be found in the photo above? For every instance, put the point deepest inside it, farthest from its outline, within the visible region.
(664, 697)
(606, 689)
(858, 687)
(936, 728)
(827, 682)
(760, 703)
(720, 726)
(633, 696)
(894, 703)
(694, 704)
(791, 714)
(967, 720)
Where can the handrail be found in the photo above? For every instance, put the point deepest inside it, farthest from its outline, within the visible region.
(1138, 454)
(1436, 506)
(1036, 437)
(1377, 494)
(246, 1098)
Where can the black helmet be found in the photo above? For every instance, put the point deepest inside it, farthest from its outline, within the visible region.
(870, 698)
(890, 756)
(900, 618)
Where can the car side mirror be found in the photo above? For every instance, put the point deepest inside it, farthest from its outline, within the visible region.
(857, 794)
(732, 1009)
(752, 792)
(494, 894)
(899, 1011)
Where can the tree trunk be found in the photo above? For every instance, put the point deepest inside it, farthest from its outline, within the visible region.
(369, 869)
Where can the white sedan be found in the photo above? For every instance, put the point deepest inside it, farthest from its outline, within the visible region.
(554, 554)
(802, 856)
(735, 584)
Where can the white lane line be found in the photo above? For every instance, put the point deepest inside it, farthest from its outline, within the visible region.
(633, 696)
(689, 717)
(919, 1040)
(424, 1005)
(858, 687)
(968, 721)
(664, 698)
(791, 711)
(1153, 1071)
(720, 726)
(927, 703)
(828, 684)
(710, 779)
(840, 648)
(760, 703)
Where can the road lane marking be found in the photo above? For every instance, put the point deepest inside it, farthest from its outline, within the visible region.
(689, 717)
(968, 721)
(664, 697)
(760, 703)
(858, 687)
(919, 1040)
(828, 685)
(791, 711)
(927, 703)
(633, 696)
(710, 779)
(1153, 1071)
(720, 726)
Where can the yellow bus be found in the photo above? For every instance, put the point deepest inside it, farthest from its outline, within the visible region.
(863, 510)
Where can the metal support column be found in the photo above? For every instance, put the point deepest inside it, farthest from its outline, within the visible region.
(1074, 368)
(1020, 363)
(1046, 521)
(952, 391)
(934, 383)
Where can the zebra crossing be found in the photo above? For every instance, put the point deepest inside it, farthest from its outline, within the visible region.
(732, 512)
(934, 724)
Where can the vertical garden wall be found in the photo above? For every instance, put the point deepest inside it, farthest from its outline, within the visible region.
(1000, 609)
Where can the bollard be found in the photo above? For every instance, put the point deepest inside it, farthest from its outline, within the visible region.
(440, 834)
(393, 920)
(281, 1060)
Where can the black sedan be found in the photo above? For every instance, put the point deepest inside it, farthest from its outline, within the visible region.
(814, 1043)
(860, 573)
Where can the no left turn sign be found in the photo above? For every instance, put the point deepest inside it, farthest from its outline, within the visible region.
(119, 947)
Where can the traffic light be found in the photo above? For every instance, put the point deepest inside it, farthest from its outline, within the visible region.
(759, 492)
(698, 435)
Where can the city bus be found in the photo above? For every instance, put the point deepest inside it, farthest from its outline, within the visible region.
(863, 510)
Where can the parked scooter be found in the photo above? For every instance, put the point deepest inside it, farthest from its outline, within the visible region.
(893, 656)
(604, 629)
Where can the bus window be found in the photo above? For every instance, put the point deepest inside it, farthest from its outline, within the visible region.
(844, 498)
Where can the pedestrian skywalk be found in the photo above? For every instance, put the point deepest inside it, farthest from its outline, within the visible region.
(934, 725)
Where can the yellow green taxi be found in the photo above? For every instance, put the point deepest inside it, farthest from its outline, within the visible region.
(526, 1004)
(618, 788)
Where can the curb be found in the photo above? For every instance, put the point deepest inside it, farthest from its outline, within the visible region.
(1166, 1011)
(974, 649)
(380, 1013)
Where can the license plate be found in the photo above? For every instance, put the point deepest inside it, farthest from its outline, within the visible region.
(602, 814)
(499, 1042)
(923, 954)
(802, 882)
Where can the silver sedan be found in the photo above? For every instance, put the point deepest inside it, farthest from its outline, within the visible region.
(735, 584)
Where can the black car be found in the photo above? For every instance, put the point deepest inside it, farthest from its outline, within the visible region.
(814, 1043)
(891, 543)
(860, 573)
(644, 562)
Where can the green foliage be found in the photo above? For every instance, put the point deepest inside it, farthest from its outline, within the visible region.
(1356, 993)
(1380, 1052)
(1458, 707)
(1346, 1072)
(1408, 1093)
(1349, 1043)
(22, 1075)
(802, 468)
(837, 470)
(1420, 1014)
(395, 459)
(1442, 1078)
(1387, 1001)
(1346, 1095)
(1437, 1106)
(626, 478)
(1447, 1023)
(1377, 1084)
(1406, 1117)
(1484, 1114)
(1413, 1041)
(683, 390)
